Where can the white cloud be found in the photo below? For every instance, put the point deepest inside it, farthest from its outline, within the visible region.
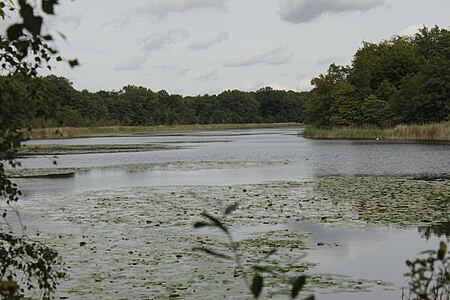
(411, 30)
(160, 40)
(278, 86)
(302, 11)
(273, 56)
(134, 63)
(254, 86)
(305, 84)
(161, 8)
(220, 37)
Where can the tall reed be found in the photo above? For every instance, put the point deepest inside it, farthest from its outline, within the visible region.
(423, 132)
(70, 132)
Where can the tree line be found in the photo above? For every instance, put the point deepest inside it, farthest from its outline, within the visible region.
(58, 103)
(401, 80)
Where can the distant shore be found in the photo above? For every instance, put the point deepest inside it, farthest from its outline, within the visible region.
(425, 132)
(73, 132)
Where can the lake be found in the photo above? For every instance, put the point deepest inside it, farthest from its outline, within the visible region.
(346, 204)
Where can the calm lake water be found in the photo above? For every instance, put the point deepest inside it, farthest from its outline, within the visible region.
(372, 253)
(304, 159)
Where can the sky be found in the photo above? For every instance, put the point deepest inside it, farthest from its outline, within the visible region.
(193, 47)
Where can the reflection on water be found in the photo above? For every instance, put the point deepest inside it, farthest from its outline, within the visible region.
(104, 180)
(369, 253)
(322, 157)
(306, 159)
(365, 253)
(440, 230)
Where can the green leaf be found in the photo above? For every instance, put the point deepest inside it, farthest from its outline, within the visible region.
(33, 24)
(257, 285)
(442, 250)
(211, 252)
(73, 63)
(215, 222)
(231, 208)
(14, 32)
(47, 6)
(297, 286)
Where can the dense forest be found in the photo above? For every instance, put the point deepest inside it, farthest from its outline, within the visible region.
(59, 104)
(401, 80)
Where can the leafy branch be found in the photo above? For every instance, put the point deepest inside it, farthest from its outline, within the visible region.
(429, 277)
(255, 285)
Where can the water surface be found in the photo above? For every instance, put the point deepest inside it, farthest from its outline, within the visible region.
(365, 252)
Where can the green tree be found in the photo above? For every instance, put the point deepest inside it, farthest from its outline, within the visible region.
(280, 106)
(319, 105)
(238, 107)
(345, 109)
(24, 49)
(400, 80)
(429, 89)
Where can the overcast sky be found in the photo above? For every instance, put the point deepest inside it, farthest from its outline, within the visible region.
(195, 47)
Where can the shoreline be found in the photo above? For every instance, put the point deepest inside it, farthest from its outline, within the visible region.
(435, 132)
(104, 131)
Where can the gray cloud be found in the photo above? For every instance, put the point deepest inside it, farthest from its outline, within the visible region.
(183, 72)
(173, 69)
(274, 56)
(134, 63)
(302, 11)
(161, 8)
(159, 40)
(220, 37)
(212, 75)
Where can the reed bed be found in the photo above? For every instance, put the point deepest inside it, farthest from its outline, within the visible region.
(423, 132)
(71, 132)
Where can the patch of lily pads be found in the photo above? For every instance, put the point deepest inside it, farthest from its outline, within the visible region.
(157, 166)
(138, 242)
(59, 149)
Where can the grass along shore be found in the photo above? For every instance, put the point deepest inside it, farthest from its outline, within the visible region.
(425, 132)
(72, 132)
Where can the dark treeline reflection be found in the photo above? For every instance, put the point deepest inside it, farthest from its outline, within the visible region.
(440, 230)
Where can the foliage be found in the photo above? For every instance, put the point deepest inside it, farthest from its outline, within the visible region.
(27, 266)
(429, 277)
(258, 270)
(64, 106)
(24, 49)
(402, 80)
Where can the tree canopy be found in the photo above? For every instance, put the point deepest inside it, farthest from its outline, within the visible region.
(400, 80)
(61, 105)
